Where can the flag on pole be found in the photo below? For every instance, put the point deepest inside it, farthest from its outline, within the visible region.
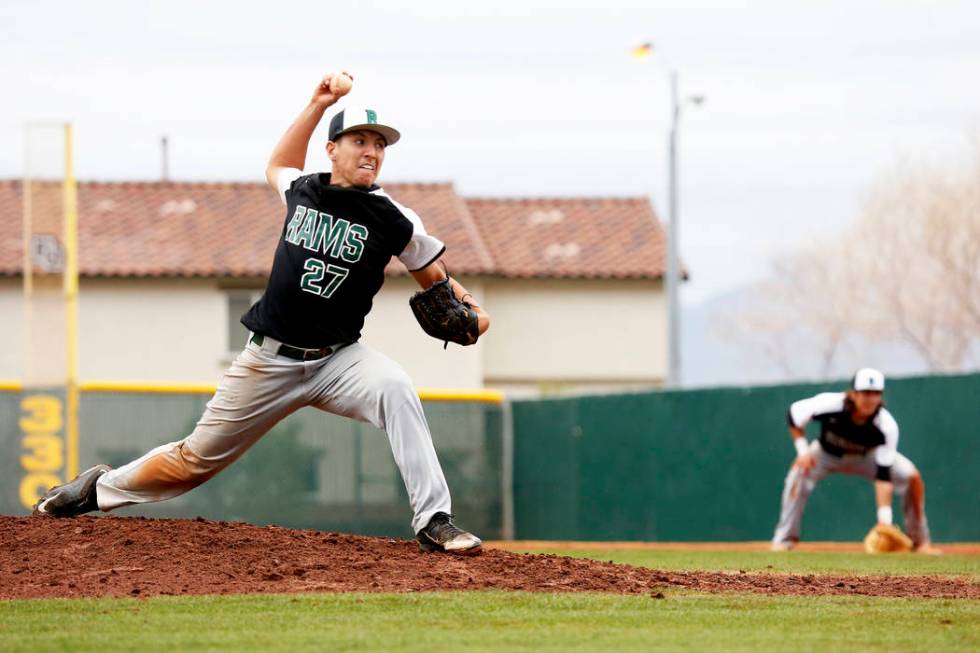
(643, 51)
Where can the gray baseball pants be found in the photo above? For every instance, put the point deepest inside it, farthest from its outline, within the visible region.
(260, 389)
(799, 485)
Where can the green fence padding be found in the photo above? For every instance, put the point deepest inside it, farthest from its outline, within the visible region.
(313, 470)
(10, 448)
(709, 465)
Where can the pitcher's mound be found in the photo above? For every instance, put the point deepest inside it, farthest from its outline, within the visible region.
(134, 556)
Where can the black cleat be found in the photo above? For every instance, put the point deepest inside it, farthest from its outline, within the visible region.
(442, 535)
(74, 498)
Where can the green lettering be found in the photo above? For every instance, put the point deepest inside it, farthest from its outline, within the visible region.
(316, 270)
(321, 231)
(310, 282)
(354, 243)
(294, 223)
(305, 235)
(335, 239)
(338, 274)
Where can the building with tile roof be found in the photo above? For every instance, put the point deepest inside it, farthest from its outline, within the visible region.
(573, 285)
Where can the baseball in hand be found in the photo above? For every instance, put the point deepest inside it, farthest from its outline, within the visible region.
(340, 84)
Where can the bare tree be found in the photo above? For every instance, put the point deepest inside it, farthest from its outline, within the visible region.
(801, 319)
(916, 264)
(907, 272)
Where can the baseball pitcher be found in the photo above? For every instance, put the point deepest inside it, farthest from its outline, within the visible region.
(339, 231)
(857, 436)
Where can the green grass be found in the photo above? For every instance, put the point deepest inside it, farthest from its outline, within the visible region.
(790, 562)
(491, 621)
(500, 621)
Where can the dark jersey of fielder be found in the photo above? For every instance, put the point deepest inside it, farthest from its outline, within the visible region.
(839, 434)
(330, 260)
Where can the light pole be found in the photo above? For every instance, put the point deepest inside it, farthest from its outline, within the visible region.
(673, 235)
(673, 276)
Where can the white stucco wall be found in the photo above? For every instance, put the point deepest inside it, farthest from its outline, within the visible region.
(575, 334)
(151, 330)
(12, 324)
(546, 335)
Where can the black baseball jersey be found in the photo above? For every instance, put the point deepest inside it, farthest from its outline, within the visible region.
(839, 434)
(330, 260)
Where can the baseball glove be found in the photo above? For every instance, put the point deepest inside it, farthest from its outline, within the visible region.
(443, 316)
(887, 538)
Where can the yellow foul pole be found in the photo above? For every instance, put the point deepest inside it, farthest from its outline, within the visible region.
(71, 308)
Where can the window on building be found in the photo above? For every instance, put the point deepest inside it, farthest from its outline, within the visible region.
(238, 302)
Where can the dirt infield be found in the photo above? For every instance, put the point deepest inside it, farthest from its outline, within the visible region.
(120, 556)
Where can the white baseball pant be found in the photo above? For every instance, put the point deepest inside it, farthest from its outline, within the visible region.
(260, 389)
(800, 484)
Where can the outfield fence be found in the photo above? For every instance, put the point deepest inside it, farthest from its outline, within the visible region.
(708, 465)
(691, 465)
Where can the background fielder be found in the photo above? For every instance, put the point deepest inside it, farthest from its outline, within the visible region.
(857, 436)
(340, 231)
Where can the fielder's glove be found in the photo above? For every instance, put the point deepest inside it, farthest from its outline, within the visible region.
(887, 538)
(443, 316)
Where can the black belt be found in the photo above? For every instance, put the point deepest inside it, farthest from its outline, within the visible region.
(296, 353)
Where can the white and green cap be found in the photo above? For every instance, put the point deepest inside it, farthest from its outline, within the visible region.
(354, 118)
(868, 378)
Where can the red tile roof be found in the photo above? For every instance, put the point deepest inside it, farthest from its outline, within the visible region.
(230, 229)
(572, 237)
(446, 217)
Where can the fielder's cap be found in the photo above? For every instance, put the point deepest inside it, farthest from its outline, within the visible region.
(354, 118)
(867, 378)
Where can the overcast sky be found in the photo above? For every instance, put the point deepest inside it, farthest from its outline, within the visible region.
(806, 102)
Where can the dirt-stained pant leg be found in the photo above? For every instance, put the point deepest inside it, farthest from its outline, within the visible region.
(257, 391)
(798, 488)
(914, 511)
(363, 384)
(796, 491)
